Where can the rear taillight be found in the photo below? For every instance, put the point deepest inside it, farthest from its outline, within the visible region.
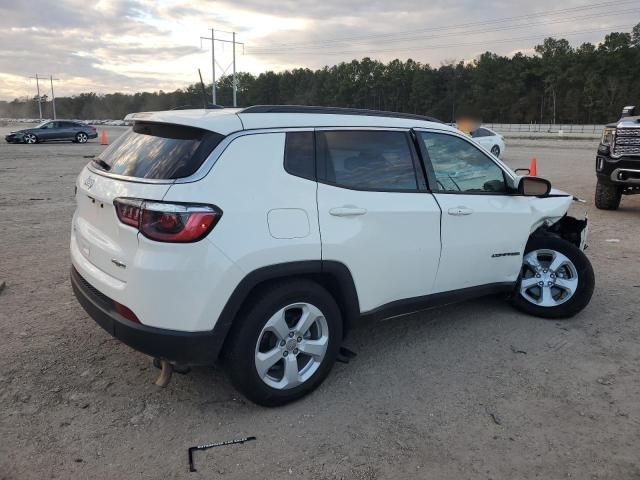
(168, 222)
(128, 210)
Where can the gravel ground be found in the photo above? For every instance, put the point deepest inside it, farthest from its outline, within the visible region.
(444, 394)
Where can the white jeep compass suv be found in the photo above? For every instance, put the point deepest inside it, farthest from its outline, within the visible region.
(262, 235)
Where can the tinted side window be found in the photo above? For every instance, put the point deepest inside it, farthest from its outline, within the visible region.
(461, 167)
(159, 150)
(368, 160)
(300, 155)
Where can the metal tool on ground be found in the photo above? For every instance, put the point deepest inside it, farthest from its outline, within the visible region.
(192, 467)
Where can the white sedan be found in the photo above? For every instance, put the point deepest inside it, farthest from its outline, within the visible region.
(490, 140)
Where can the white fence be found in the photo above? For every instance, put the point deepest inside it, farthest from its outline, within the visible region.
(543, 128)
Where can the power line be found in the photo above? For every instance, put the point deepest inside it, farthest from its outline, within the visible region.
(459, 44)
(410, 34)
(469, 32)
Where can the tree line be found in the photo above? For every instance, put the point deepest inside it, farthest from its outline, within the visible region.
(558, 84)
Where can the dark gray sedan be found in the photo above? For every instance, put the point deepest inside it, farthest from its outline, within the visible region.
(56, 130)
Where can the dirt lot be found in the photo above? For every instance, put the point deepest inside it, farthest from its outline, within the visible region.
(443, 394)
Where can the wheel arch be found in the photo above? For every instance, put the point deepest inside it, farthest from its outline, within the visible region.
(335, 277)
(567, 228)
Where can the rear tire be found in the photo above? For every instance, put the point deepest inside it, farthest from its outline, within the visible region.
(556, 280)
(81, 137)
(495, 150)
(270, 332)
(608, 196)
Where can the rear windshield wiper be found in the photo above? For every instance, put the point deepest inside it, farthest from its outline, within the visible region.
(102, 164)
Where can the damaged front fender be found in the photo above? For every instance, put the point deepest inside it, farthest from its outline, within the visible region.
(568, 228)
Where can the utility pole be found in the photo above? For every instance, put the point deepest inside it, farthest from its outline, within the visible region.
(235, 83)
(214, 63)
(38, 77)
(213, 66)
(38, 90)
(53, 97)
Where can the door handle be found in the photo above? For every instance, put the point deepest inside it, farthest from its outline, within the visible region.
(347, 211)
(459, 211)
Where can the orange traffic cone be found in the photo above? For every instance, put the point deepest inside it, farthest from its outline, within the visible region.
(533, 167)
(103, 138)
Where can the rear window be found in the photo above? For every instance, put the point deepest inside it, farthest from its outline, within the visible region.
(158, 151)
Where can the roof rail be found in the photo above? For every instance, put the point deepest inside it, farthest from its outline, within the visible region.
(334, 111)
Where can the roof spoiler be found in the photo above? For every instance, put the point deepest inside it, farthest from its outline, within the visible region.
(132, 117)
(629, 111)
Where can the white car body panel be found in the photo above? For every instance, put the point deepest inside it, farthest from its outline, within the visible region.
(246, 200)
(487, 242)
(491, 225)
(393, 249)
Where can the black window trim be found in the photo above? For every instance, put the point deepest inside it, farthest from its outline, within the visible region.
(431, 174)
(320, 159)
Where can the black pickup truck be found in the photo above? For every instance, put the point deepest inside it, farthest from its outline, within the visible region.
(618, 160)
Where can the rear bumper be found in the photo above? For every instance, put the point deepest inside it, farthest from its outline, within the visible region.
(192, 348)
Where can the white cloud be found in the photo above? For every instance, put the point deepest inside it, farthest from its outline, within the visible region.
(130, 45)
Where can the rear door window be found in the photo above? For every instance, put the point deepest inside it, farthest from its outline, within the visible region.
(367, 160)
(158, 151)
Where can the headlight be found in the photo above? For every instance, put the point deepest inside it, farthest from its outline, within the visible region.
(608, 136)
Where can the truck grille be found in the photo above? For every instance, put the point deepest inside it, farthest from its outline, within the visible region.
(627, 141)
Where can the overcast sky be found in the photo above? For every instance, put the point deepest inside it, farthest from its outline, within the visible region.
(136, 45)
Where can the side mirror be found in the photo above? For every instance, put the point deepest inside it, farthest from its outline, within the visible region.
(534, 187)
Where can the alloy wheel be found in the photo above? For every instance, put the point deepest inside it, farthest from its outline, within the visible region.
(82, 138)
(548, 279)
(291, 346)
(495, 150)
(30, 138)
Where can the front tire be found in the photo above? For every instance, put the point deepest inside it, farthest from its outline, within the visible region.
(495, 150)
(30, 138)
(284, 343)
(608, 196)
(556, 280)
